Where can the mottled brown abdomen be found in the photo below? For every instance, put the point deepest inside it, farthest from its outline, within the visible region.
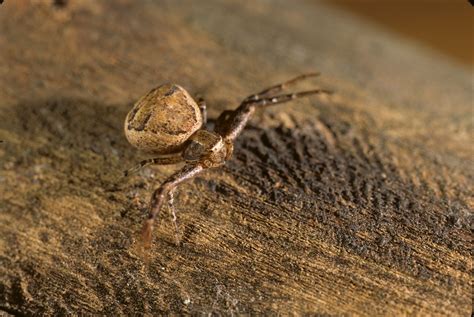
(162, 120)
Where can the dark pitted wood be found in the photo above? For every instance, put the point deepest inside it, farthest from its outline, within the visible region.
(353, 204)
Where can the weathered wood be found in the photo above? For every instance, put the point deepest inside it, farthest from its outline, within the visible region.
(359, 203)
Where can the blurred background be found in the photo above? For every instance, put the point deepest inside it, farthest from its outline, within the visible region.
(446, 26)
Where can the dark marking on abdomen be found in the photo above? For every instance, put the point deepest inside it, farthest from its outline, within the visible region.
(141, 125)
(171, 91)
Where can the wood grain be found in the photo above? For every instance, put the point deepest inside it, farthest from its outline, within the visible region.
(354, 204)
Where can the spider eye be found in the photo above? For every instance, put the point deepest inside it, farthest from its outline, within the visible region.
(193, 151)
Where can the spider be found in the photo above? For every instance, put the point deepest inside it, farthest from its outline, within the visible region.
(168, 122)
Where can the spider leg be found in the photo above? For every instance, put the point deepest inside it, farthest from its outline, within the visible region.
(203, 107)
(160, 194)
(164, 160)
(279, 87)
(221, 121)
(270, 101)
(232, 127)
(173, 213)
(225, 115)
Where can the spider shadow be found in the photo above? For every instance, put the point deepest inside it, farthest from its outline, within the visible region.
(67, 138)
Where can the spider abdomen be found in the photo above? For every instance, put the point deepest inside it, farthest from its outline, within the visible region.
(162, 120)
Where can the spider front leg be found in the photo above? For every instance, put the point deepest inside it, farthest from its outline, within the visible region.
(231, 127)
(279, 87)
(270, 101)
(230, 124)
(160, 195)
(164, 160)
(222, 120)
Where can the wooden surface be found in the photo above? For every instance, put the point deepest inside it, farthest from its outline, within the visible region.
(354, 204)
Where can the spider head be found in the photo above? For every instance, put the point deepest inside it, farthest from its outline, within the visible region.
(203, 144)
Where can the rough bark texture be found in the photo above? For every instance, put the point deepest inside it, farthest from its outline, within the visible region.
(354, 204)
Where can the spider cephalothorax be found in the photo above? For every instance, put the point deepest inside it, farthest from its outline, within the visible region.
(169, 123)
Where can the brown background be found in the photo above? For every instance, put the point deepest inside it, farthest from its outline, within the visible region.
(354, 204)
(446, 26)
